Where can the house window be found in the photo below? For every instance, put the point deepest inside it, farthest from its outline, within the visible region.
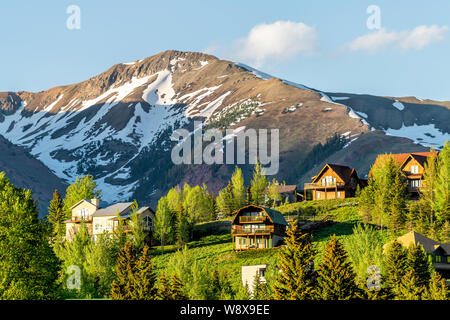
(262, 273)
(328, 181)
(437, 259)
(338, 194)
(84, 213)
(414, 169)
(318, 195)
(415, 183)
(148, 221)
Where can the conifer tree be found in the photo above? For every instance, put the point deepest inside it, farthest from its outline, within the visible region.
(144, 278)
(122, 288)
(259, 184)
(428, 189)
(259, 288)
(176, 292)
(163, 287)
(410, 288)
(419, 264)
(297, 278)
(56, 215)
(442, 185)
(336, 277)
(395, 265)
(398, 205)
(437, 289)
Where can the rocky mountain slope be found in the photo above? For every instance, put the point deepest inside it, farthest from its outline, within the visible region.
(26, 172)
(117, 125)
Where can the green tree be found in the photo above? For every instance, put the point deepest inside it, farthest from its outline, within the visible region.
(123, 286)
(163, 221)
(259, 288)
(258, 185)
(336, 277)
(419, 263)
(170, 288)
(144, 278)
(137, 227)
(442, 185)
(427, 192)
(297, 278)
(28, 265)
(410, 289)
(395, 266)
(384, 200)
(273, 193)
(83, 188)
(238, 189)
(364, 248)
(437, 289)
(225, 201)
(99, 263)
(56, 215)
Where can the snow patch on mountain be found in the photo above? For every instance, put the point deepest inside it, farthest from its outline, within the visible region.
(426, 135)
(398, 105)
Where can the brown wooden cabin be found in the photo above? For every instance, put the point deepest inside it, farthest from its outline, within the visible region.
(334, 182)
(255, 227)
(412, 165)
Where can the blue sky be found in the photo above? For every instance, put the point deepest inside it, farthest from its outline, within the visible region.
(321, 44)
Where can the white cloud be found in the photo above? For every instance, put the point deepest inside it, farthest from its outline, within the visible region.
(416, 39)
(279, 40)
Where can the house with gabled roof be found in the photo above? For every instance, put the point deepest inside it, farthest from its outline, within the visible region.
(100, 218)
(440, 252)
(334, 182)
(255, 227)
(412, 165)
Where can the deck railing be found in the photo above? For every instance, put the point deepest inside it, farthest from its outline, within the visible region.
(325, 185)
(240, 230)
(244, 219)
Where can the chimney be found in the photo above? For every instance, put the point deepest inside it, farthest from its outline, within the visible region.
(95, 202)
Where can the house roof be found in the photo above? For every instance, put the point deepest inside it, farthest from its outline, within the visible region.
(287, 189)
(428, 244)
(113, 209)
(82, 200)
(401, 158)
(275, 216)
(343, 172)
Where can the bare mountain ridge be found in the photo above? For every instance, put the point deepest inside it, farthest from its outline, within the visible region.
(117, 125)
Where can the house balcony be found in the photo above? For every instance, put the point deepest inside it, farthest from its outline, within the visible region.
(238, 230)
(324, 186)
(79, 220)
(252, 219)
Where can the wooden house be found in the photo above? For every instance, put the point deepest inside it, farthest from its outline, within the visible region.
(334, 182)
(412, 165)
(440, 252)
(255, 227)
(100, 218)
